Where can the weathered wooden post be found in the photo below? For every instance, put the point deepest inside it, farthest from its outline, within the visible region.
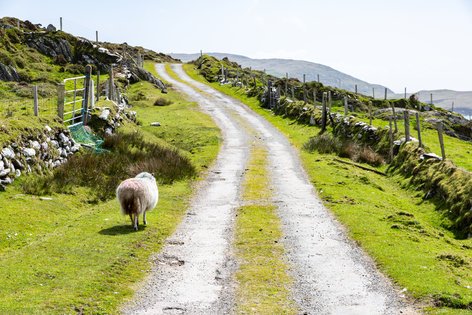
(394, 114)
(405, 93)
(385, 96)
(452, 108)
(323, 113)
(60, 23)
(329, 101)
(441, 140)
(293, 93)
(85, 102)
(390, 137)
(61, 90)
(286, 84)
(373, 93)
(111, 85)
(418, 127)
(318, 77)
(355, 88)
(304, 89)
(314, 97)
(98, 85)
(345, 106)
(370, 113)
(201, 53)
(35, 96)
(406, 117)
(96, 37)
(431, 98)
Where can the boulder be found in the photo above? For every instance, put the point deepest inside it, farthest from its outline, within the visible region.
(104, 114)
(29, 152)
(8, 153)
(8, 73)
(51, 28)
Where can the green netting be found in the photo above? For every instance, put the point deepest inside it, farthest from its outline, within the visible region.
(86, 138)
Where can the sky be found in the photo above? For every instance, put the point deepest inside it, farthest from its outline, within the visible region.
(417, 44)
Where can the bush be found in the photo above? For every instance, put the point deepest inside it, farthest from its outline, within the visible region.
(129, 155)
(160, 101)
(324, 143)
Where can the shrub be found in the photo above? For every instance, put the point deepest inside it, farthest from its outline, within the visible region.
(160, 101)
(129, 154)
(324, 143)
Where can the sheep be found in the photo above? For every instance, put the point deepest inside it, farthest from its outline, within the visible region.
(137, 195)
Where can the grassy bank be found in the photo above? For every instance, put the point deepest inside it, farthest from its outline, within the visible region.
(67, 253)
(402, 232)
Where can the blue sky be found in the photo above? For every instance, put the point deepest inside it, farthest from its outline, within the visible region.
(418, 44)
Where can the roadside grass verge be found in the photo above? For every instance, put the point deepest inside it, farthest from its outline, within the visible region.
(67, 253)
(403, 233)
(263, 281)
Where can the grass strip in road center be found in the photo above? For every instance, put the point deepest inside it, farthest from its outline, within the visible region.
(264, 285)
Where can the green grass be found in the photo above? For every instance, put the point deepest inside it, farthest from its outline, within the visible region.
(263, 283)
(402, 232)
(72, 254)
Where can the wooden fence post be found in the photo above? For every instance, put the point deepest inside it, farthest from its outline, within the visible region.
(394, 114)
(441, 140)
(286, 84)
(304, 89)
(370, 113)
(406, 117)
(373, 93)
(293, 93)
(355, 88)
(345, 106)
(98, 85)
(85, 104)
(96, 37)
(405, 93)
(390, 137)
(61, 89)
(385, 96)
(318, 77)
(60, 23)
(111, 85)
(329, 101)
(35, 95)
(431, 98)
(323, 114)
(314, 97)
(418, 127)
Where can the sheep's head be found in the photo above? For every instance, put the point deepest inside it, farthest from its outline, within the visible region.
(146, 175)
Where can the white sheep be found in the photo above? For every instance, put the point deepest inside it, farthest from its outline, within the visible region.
(137, 195)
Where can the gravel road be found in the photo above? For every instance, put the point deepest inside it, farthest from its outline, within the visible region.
(192, 274)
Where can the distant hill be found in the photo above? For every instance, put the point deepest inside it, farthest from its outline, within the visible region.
(296, 69)
(329, 76)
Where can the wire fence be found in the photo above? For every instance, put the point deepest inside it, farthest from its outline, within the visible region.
(25, 105)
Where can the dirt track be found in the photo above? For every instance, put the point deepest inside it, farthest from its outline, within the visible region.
(193, 273)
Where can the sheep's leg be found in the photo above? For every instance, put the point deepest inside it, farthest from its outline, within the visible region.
(131, 218)
(144, 218)
(136, 223)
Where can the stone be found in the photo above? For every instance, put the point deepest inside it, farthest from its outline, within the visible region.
(108, 131)
(7, 181)
(5, 172)
(8, 153)
(155, 124)
(44, 146)
(8, 73)
(55, 143)
(47, 128)
(427, 156)
(104, 114)
(51, 28)
(29, 152)
(35, 145)
(76, 147)
(17, 173)
(2, 165)
(63, 138)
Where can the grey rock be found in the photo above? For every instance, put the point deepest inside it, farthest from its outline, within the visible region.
(63, 138)
(17, 173)
(2, 165)
(76, 147)
(44, 146)
(7, 181)
(5, 172)
(47, 128)
(155, 124)
(8, 73)
(108, 131)
(55, 143)
(104, 114)
(51, 28)
(427, 156)
(8, 153)
(35, 145)
(29, 152)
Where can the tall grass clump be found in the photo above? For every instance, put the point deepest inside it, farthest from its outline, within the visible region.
(128, 155)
